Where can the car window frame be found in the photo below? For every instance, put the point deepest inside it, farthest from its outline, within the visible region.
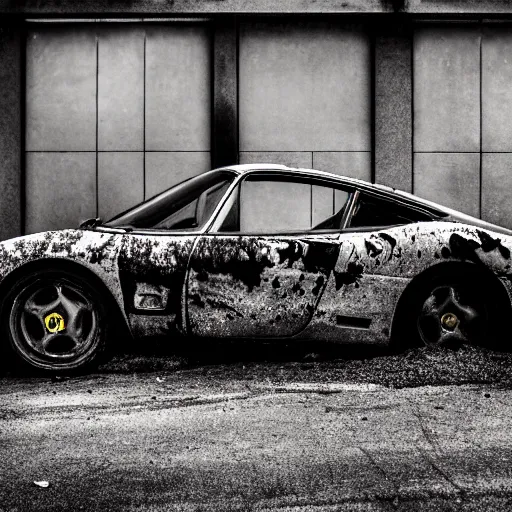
(177, 232)
(386, 198)
(292, 176)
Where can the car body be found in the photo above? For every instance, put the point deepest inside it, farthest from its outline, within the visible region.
(254, 251)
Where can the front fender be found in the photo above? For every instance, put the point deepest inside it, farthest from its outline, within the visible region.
(97, 252)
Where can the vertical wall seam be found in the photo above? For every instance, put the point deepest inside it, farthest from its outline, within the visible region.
(23, 38)
(412, 107)
(97, 119)
(373, 110)
(144, 121)
(224, 79)
(213, 93)
(237, 85)
(481, 125)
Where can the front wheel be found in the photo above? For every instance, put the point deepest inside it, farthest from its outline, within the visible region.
(55, 321)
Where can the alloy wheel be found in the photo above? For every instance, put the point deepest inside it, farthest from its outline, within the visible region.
(54, 323)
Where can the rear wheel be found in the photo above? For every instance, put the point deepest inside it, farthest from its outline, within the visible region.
(55, 321)
(453, 314)
(452, 309)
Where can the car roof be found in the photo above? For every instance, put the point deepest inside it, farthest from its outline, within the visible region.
(396, 194)
(246, 168)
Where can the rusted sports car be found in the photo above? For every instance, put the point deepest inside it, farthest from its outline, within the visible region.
(257, 251)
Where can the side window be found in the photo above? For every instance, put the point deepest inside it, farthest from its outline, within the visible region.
(263, 204)
(197, 211)
(375, 212)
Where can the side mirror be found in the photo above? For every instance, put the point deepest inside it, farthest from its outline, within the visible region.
(90, 223)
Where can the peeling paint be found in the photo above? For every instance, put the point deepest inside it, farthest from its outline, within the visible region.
(257, 286)
(94, 250)
(157, 261)
(374, 268)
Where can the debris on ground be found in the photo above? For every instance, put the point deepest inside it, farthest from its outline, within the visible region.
(42, 483)
(364, 364)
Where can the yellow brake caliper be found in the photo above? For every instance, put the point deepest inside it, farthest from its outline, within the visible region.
(54, 322)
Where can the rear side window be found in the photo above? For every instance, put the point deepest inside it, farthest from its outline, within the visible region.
(373, 211)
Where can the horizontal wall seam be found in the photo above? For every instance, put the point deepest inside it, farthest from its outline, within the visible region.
(119, 151)
(267, 151)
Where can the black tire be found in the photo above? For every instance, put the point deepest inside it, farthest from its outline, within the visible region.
(450, 310)
(55, 321)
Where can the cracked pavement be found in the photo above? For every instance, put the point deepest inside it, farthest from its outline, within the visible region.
(184, 441)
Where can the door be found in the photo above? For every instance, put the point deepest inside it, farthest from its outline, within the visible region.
(262, 268)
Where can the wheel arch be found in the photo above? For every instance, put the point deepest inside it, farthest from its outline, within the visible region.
(448, 268)
(120, 320)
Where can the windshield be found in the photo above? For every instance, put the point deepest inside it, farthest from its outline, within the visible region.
(186, 206)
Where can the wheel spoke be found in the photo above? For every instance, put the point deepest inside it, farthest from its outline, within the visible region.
(40, 310)
(451, 338)
(40, 344)
(51, 339)
(73, 311)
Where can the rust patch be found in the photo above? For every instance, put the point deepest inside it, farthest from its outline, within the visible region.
(256, 286)
(157, 261)
(351, 276)
(488, 243)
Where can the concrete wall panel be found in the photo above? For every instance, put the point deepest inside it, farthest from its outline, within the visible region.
(10, 131)
(291, 159)
(61, 89)
(271, 206)
(178, 83)
(322, 204)
(451, 179)
(496, 90)
(63, 190)
(354, 165)
(164, 170)
(497, 188)
(121, 89)
(120, 182)
(304, 87)
(447, 89)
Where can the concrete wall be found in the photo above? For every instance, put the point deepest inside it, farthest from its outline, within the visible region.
(170, 7)
(462, 118)
(115, 114)
(420, 107)
(304, 96)
(10, 130)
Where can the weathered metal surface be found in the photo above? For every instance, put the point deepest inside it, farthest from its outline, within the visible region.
(160, 262)
(374, 268)
(96, 251)
(249, 286)
(367, 297)
(334, 287)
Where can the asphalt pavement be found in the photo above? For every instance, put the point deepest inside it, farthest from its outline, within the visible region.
(189, 441)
